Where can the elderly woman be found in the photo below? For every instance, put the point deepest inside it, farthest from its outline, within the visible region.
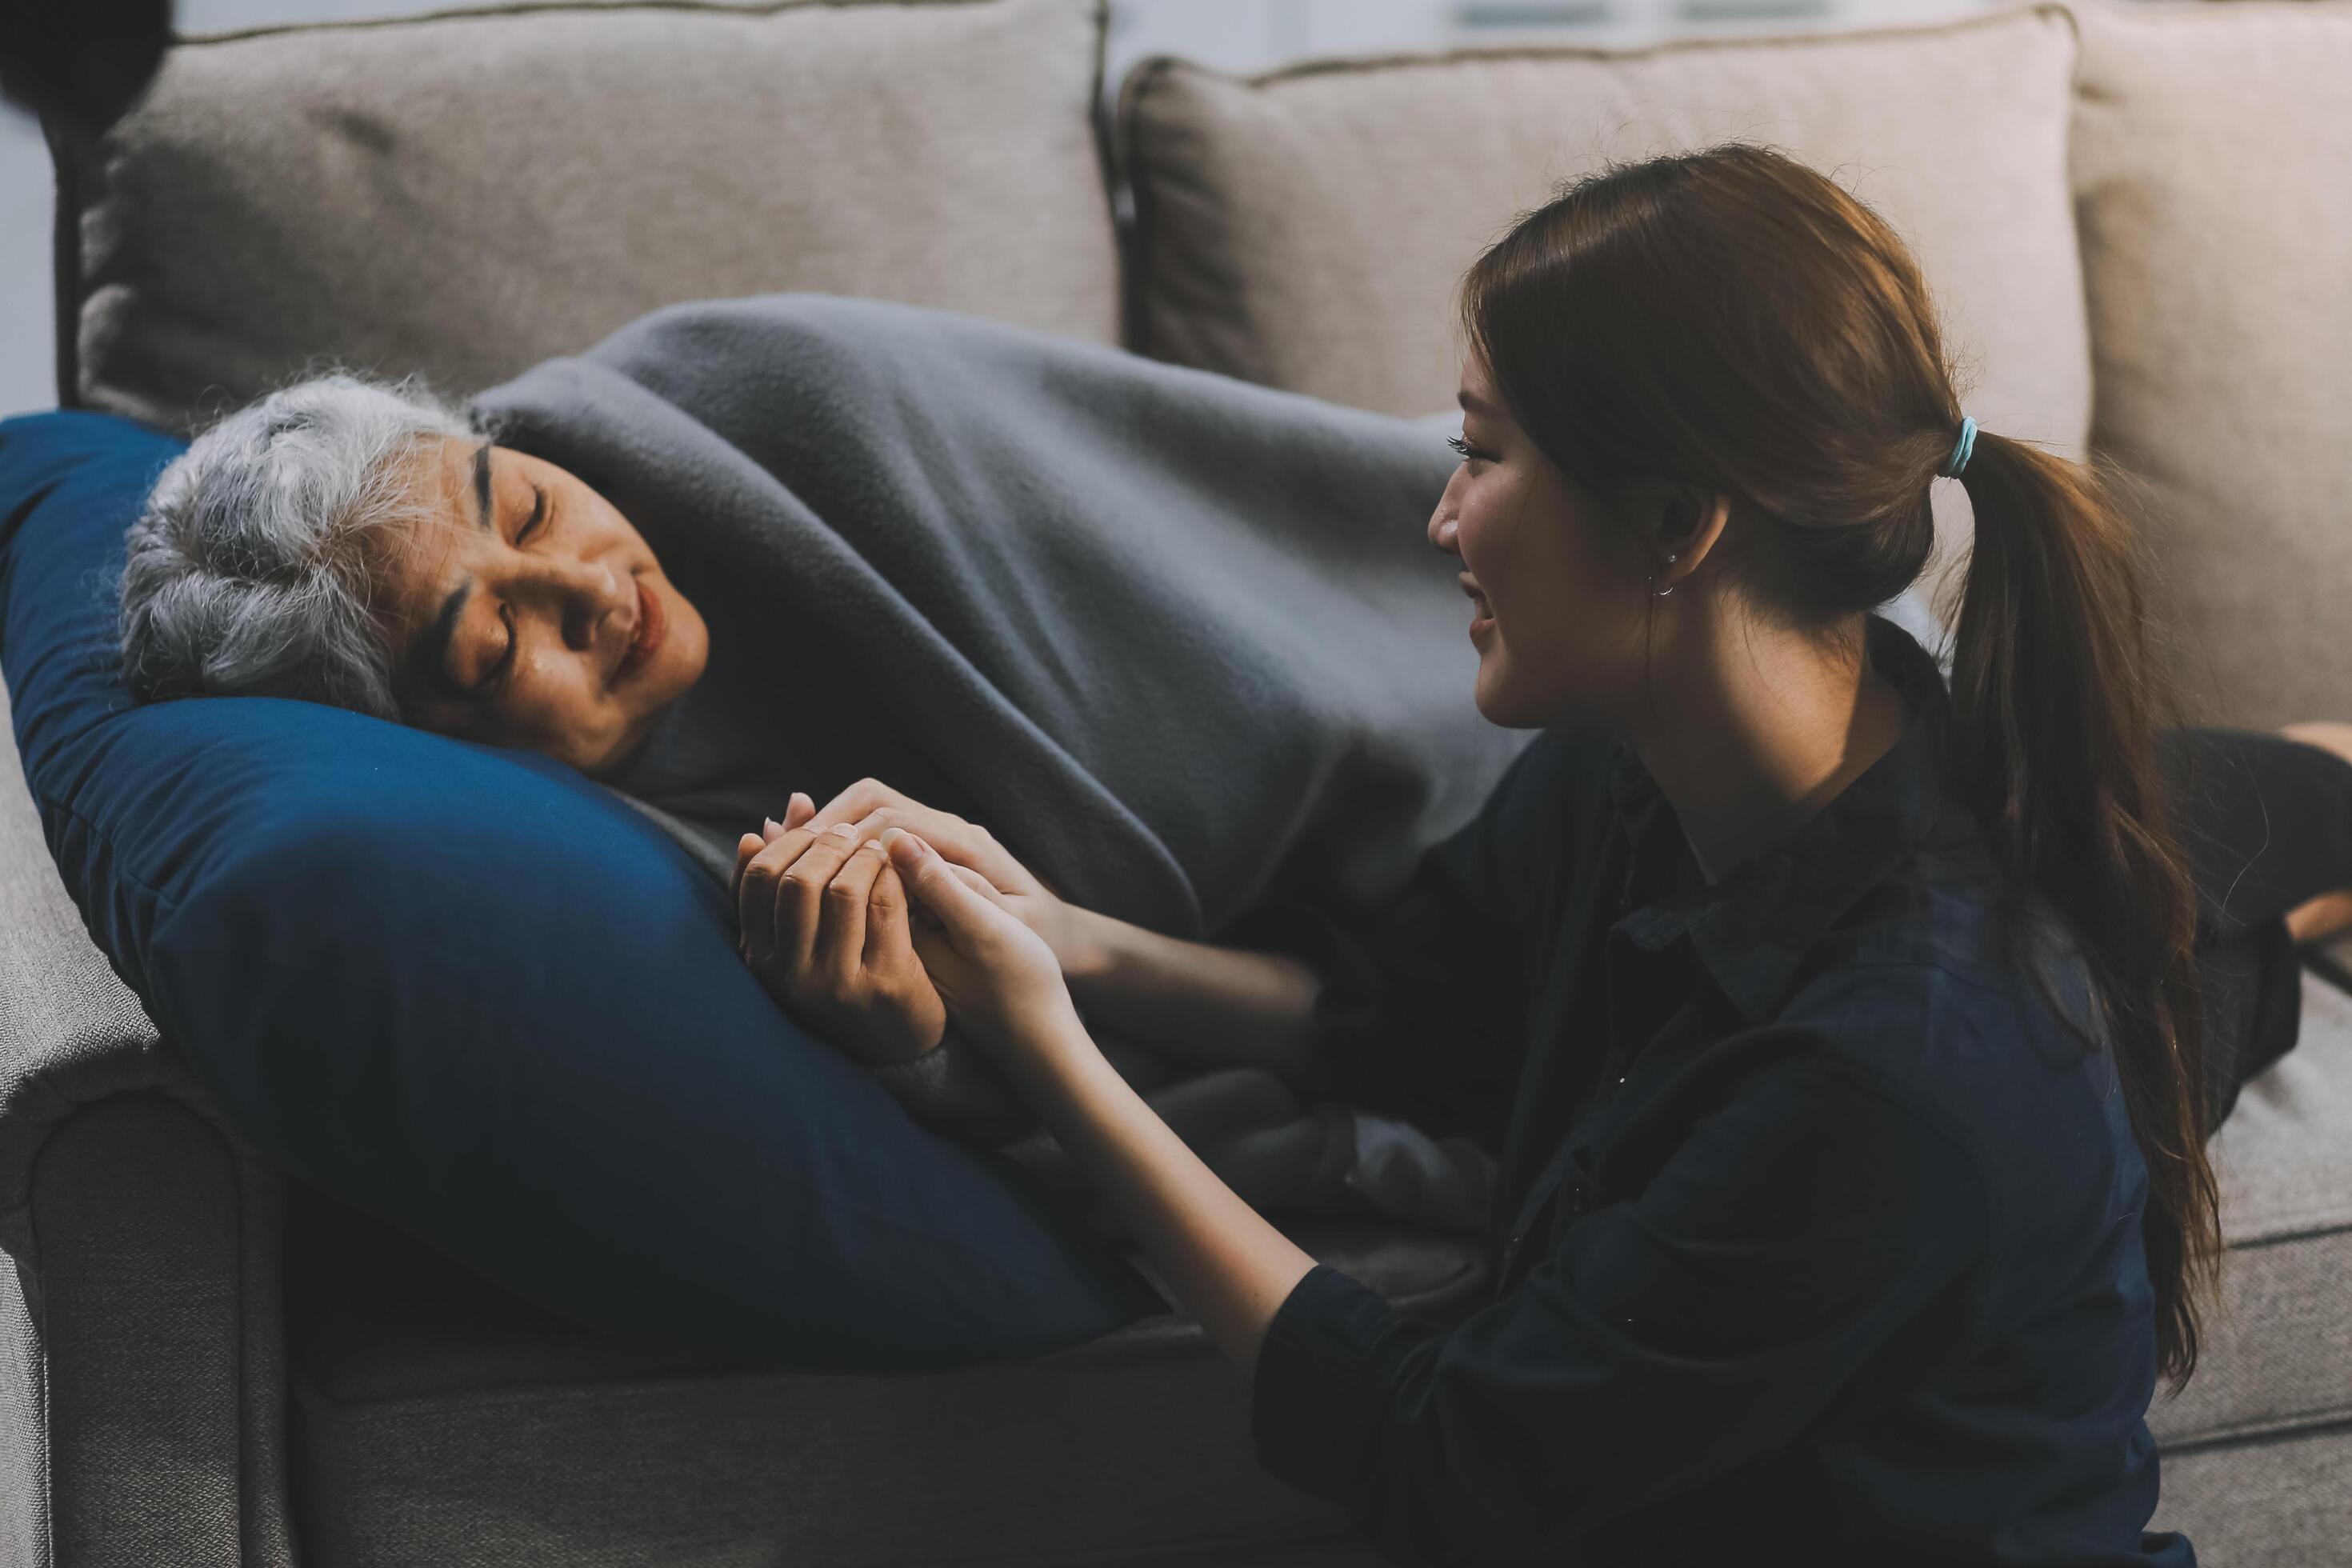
(371, 546)
(367, 546)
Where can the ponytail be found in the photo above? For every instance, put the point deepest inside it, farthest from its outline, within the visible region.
(2056, 704)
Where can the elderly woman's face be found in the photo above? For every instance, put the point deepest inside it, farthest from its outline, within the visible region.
(527, 611)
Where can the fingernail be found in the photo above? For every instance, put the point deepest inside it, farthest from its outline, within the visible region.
(891, 835)
(843, 830)
(769, 826)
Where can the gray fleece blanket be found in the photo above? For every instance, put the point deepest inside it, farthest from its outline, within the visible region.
(1180, 641)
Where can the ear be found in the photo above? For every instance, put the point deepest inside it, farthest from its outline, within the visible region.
(1679, 520)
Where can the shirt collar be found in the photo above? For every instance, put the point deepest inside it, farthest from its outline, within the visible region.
(1753, 928)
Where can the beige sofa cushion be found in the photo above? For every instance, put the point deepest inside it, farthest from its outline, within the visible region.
(2213, 175)
(468, 193)
(1307, 228)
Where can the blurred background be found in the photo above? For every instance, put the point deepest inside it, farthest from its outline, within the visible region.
(1233, 35)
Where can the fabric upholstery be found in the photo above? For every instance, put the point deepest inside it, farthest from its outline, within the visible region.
(2278, 1357)
(465, 195)
(138, 1203)
(1307, 228)
(574, 1451)
(2278, 1502)
(24, 1423)
(466, 989)
(2213, 166)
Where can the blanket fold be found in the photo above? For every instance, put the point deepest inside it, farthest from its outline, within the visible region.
(1180, 639)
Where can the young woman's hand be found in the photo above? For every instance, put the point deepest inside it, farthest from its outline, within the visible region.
(822, 920)
(1000, 981)
(872, 807)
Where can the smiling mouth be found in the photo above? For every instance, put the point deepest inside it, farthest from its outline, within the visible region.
(1481, 614)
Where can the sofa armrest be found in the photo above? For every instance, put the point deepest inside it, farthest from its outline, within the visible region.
(71, 1033)
(145, 1402)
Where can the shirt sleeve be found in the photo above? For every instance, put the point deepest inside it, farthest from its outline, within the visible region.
(1422, 1011)
(1794, 1234)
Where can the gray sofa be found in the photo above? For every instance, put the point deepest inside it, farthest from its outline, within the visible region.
(2138, 221)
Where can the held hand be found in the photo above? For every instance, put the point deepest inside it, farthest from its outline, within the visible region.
(823, 920)
(873, 808)
(999, 979)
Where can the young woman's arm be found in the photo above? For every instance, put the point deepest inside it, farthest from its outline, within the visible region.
(1224, 1261)
(1211, 1005)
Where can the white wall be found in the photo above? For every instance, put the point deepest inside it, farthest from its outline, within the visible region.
(1235, 35)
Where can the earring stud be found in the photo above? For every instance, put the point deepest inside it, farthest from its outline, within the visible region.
(1654, 576)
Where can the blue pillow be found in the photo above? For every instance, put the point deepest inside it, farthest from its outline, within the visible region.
(470, 992)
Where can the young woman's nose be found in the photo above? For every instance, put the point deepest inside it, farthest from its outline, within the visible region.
(1444, 522)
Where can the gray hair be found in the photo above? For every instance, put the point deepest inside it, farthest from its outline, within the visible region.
(245, 574)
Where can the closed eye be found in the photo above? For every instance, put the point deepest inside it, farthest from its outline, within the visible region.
(499, 672)
(1468, 452)
(538, 511)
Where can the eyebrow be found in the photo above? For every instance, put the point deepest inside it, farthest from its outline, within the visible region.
(1476, 405)
(482, 485)
(429, 654)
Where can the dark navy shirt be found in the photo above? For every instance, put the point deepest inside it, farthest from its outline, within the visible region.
(1818, 1236)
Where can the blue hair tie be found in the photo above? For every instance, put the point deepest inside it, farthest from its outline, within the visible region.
(1961, 449)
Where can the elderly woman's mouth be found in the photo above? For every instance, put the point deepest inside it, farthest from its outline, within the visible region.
(653, 623)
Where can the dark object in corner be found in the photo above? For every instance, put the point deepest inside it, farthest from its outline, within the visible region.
(81, 64)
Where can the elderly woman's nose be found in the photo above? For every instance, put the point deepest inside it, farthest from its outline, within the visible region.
(570, 577)
(581, 592)
(597, 593)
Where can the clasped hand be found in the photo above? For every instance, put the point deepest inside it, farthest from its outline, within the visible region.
(875, 920)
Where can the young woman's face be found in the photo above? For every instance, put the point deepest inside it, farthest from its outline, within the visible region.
(1557, 601)
(541, 620)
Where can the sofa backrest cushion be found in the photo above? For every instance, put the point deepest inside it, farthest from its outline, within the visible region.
(2213, 172)
(1307, 228)
(467, 194)
(471, 993)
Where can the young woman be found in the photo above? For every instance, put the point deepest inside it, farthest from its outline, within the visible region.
(1841, 1030)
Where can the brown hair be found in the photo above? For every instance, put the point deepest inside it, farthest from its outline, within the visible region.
(1732, 320)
